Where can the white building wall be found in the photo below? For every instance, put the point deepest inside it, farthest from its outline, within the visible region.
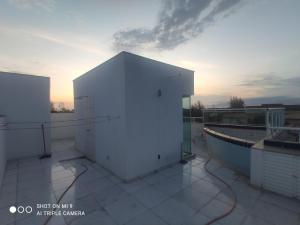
(101, 92)
(256, 175)
(276, 172)
(232, 154)
(2, 149)
(153, 123)
(25, 98)
(66, 131)
(126, 86)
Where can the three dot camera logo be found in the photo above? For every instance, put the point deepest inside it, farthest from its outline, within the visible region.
(21, 209)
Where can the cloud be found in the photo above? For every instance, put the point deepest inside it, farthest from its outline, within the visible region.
(82, 43)
(270, 85)
(271, 81)
(178, 22)
(194, 65)
(47, 5)
(75, 17)
(65, 42)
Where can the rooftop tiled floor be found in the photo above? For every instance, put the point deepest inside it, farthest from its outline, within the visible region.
(181, 194)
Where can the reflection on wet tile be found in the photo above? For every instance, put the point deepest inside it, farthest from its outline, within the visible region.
(150, 197)
(146, 219)
(125, 209)
(173, 211)
(180, 194)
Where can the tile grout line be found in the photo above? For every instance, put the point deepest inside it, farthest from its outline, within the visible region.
(274, 204)
(130, 194)
(92, 194)
(148, 208)
(252, 207)
(171, 197)
(213, 198)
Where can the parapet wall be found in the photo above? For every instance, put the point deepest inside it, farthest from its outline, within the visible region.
(65, 129)
(251, 133)
(234, 152)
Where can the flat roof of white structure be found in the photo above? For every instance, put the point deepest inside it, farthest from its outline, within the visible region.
(137, 56)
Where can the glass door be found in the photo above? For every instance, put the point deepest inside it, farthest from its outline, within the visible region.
(187, 129)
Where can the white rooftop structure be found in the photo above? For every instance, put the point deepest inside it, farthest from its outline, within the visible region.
(25, 104)
(132, 107)
(187, 194)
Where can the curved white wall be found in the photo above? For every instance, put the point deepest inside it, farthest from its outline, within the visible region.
(243, 133)
(234, 155)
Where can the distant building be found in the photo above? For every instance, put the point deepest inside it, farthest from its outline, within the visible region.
(142, 100)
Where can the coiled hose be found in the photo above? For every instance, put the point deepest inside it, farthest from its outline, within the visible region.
(228, 186)
(68, 188)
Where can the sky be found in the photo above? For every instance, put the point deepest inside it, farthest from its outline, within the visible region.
(246, 48)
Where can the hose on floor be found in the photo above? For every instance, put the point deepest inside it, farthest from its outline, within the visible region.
(68, 188)
(228, 186)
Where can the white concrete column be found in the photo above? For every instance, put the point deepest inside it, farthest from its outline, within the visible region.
(256, 167)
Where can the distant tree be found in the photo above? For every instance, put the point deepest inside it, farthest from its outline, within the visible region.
(53, 110)
(236, 102)
(60, 108)
(197, 110)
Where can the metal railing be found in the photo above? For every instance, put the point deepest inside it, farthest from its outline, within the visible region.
(268, 117)
(198, 119)
(276, 130)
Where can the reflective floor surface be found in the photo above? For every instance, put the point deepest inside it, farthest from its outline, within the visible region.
(181, 194)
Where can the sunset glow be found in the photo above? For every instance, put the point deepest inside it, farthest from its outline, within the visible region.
(251, 41)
